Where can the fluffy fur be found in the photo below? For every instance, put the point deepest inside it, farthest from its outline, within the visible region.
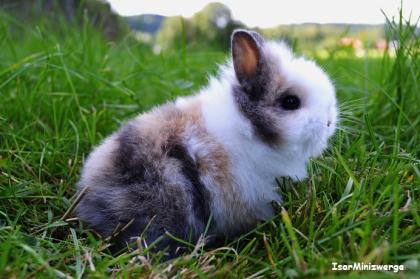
(214, 155)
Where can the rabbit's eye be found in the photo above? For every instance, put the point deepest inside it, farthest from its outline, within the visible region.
(290, 102)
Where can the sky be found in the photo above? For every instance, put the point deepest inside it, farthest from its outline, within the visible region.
(269, 13)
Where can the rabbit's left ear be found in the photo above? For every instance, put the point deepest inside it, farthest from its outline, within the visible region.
(246, 54)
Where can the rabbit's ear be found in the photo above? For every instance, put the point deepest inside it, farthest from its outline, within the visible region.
(246, 53)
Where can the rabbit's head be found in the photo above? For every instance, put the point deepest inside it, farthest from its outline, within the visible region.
(289, 100)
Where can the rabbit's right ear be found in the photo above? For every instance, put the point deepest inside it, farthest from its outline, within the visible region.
(246, 54)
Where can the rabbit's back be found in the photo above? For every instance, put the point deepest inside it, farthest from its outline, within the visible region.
(149, 173)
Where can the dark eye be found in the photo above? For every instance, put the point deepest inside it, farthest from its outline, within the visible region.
(290, 102)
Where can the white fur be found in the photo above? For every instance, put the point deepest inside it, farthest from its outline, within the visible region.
(254, 164)
(307, 129)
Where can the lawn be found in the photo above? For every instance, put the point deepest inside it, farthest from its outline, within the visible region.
(62, 92)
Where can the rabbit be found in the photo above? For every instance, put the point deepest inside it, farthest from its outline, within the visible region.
(207, 163)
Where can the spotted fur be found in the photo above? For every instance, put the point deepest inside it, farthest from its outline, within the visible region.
(211, 158)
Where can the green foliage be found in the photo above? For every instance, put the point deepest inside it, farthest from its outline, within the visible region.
(62, 91)
(316, 36)
(210, 28)
(61, 13)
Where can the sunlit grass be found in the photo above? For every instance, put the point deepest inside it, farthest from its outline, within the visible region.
(61, 94)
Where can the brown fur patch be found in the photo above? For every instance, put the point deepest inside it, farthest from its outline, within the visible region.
(215, 170)
(164, 124)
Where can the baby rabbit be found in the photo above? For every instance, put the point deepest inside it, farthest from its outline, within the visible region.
(212, 158)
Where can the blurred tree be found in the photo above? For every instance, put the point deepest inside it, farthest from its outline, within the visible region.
(172, 31)
(98, 12)
(209, 28)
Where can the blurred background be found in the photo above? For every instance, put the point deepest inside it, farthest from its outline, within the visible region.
(350, 27)
(72, 71)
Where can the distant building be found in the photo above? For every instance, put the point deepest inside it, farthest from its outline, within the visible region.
(354, 43)
(381, 44)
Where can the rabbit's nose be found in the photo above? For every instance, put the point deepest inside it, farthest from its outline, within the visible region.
(328, 123)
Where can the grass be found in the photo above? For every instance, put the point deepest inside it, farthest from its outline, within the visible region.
(61, 94)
